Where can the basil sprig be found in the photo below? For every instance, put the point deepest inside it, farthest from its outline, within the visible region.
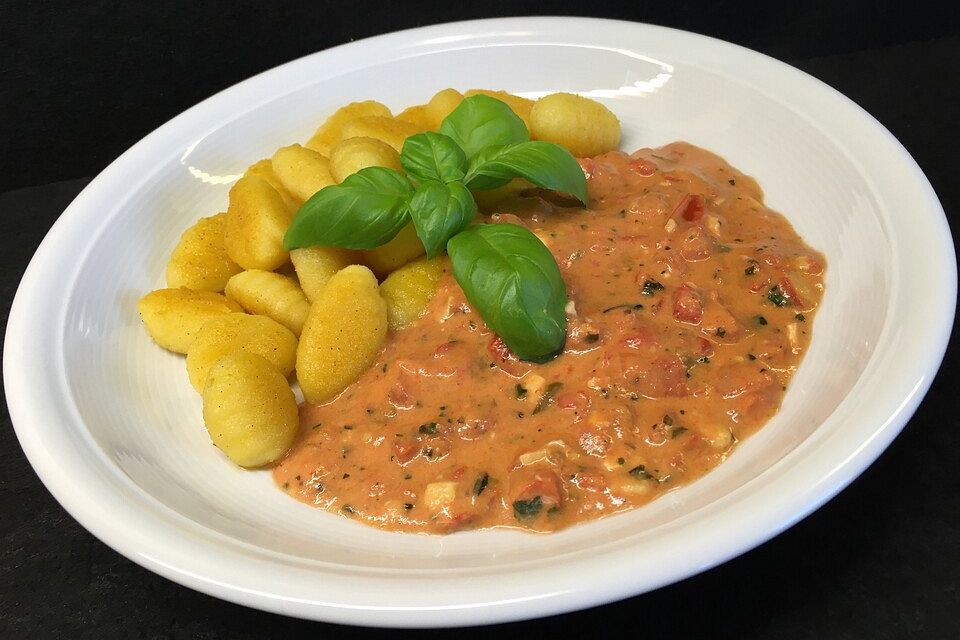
(506, 272)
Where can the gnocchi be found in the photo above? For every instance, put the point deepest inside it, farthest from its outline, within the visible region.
(173, 317)
(249, 409)
(344, 331)
(404, 247)
(257, 218)
(409, 289)
(302, 171)
(329, 133)
(585, 127)
(240, 332)
(386, 129)
(200, 260)
(354, 154)
(270, 294)
(316, 265)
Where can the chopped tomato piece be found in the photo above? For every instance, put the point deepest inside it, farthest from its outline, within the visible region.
(577, 400)
(787, 285)
(691, 208)
(405, 450)
(545, 484)
(687, 306)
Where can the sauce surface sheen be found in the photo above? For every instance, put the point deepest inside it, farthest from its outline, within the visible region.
(692, 306)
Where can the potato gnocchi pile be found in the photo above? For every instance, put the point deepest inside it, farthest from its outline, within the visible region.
(248, 314)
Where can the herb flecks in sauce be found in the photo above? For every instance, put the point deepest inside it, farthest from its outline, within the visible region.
(643, 385)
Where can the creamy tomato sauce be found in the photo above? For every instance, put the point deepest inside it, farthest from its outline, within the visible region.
(691, 307)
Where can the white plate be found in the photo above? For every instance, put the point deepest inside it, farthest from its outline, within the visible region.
(113, 428)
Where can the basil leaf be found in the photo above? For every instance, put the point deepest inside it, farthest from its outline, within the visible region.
(513, 281)
(481, 121)
(364, 211)
(433, 156)
(544, 164)
(440, 211)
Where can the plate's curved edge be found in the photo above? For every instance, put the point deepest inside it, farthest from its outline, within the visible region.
(20, 325)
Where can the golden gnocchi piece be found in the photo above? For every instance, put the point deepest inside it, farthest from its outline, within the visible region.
(316, 265)
(389, 130)
(520, 106)
(409, 289)
(353, 154)
(343, 334)
(404, 247)
(441, 104)
(418, 116)
(264, 169)
(257, 218)
(328, 135)
(585, 127)
(200, 260)
(173, 317)
(249, 409)
(270, 294)
(302, 171)
(236, 333)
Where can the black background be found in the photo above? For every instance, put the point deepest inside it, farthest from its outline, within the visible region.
(79, 84)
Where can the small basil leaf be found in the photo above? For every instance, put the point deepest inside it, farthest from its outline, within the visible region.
(481, 121)
(440, 211)
(433, 156)
(513, 281)
(364, 211)
(544, 164)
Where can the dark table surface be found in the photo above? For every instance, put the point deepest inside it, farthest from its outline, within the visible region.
(879, 561)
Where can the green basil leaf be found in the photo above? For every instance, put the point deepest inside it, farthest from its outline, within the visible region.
(364, 211)
(544, 164)
(440, 211)
(433, 156)
(513, 281)
(481, 121)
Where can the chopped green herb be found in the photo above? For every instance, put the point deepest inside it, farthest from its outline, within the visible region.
(547, 398)
(703, 360)
(621, 461)
(429, 428)
(667, 420)
(725, 248)
(520, 391)
(721, 332)
(751, 356)
(752, 267)
(760, 320)
(677, 431)
(591, 338)
(408, 506)
(627, 308)
(777, 296)
(640, 472)
(348, 510)
(348, 427)
(482, 481)
(732, 182)
(527, 509)
(651, 287)
(801, 317)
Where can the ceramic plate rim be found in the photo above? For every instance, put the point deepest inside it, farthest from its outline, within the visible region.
(165, 549)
